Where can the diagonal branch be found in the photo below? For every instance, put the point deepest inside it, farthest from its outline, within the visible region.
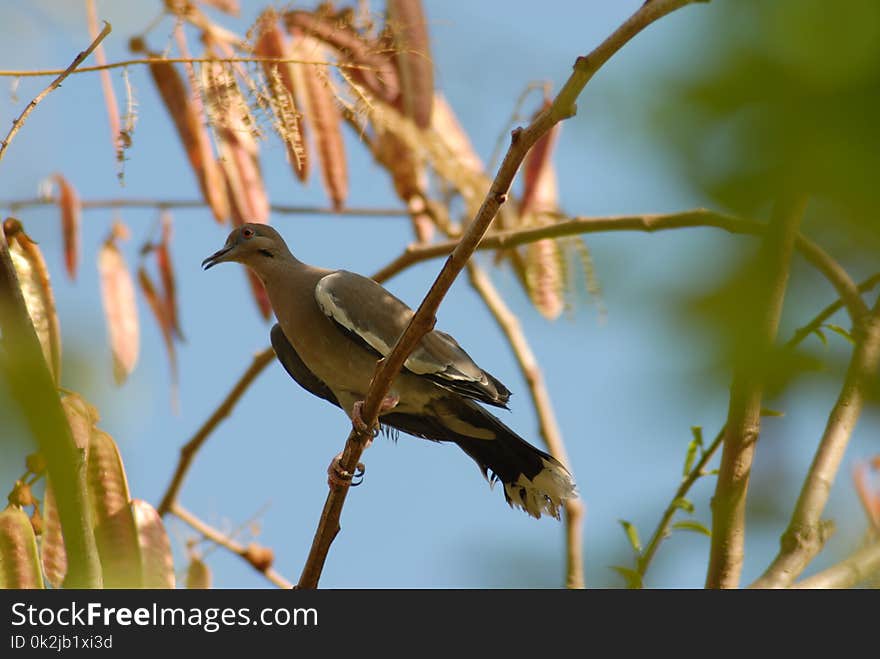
(189, 450)
(805, 535)
(850, 572)
(563, 106)
(79, 59)
(744, 413)
(509, 324)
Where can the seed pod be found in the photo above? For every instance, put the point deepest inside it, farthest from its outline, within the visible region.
(412, 54)
(71, 210)
(375, 70)
(285, 96)
(193, 135)
(115, 532)
(544, 276)
(160, 313)
(198, 574)
(19, 563)
(52, 554)
(120, 309)
(157, 562)
(36, 288)
(446, 125)
(258, 556)
(166, 274)
(325, 119)
(226, 6)
(536, 194)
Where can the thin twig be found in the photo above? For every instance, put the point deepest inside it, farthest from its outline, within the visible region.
(806, 533)
(856, 569)
(563, 107)
(700, 217)
(142, 202)
(187, 453)
(687, 482)
(549, 428)
(180, 60)
(106, 84)
(222, 540)
(826, 313)
(17, 122)
(744, 413)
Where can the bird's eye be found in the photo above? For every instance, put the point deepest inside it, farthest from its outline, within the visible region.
(247, 232)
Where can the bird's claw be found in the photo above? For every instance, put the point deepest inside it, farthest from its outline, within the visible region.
(338, 477)
(357, 419)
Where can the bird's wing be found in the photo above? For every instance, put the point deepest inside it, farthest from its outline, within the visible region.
(295, 367)
(375, 318)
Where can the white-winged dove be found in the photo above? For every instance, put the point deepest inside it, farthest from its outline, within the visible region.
(334, 325)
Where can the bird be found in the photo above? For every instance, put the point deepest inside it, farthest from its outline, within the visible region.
(333, 326)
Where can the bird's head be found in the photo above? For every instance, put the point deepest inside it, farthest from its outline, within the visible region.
(253, 245)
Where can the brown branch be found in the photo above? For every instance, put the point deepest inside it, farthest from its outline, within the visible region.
(528, 364)
(846, 288)
(187, 453)
(806, 533)
(18, 121)
(281, 209)
(563, 107)
(744, 413)
(850, 572)
(222, 540)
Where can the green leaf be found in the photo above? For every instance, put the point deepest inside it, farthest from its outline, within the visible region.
(765, 411)
(818, 332)
(633, 579)
(837, 329)
(633, 535)
(683, 504)
(695, 444)
(692, 525)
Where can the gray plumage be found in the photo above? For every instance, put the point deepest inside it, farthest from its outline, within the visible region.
(332, 327)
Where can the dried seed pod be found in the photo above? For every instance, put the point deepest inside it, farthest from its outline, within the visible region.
(412, 54)
(81, 417)
(198, 574)
(52, 554)
(374, 69)
(190, 128)
(285, 96)
(166, 274)
(536, 196)
(325, 119)
(71, 211)
(226, 6)
(120, 309)
(19, 562)
(544, 276)
(115, 532)
(157, 562)
(36, 288)
(446, 126)
(160, 313)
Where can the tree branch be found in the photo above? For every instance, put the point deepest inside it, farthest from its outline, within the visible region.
(850, 572)
(744, 413)
(17, 122)
(563, 106)
(552, 436)
(700, 217)
(223, 540)
(189, 450)
(805, 535)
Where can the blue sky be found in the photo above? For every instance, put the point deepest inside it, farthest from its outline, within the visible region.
(626, 388)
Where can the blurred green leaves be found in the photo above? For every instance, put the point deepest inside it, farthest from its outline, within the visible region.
(790, 102)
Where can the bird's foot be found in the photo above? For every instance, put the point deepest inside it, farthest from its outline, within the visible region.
(357, 420)
(338, 477)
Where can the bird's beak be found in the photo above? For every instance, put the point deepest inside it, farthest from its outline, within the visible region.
(216, 257)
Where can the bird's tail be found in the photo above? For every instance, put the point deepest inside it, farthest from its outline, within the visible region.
(533, 480)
